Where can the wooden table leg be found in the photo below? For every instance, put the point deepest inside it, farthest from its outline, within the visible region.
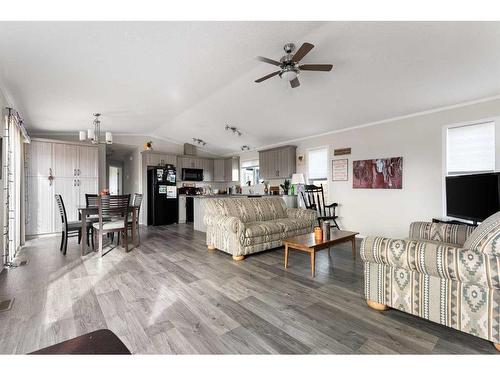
(354, 247)
(83, 242)
(134, 227)
(286, 256)
(313, 262)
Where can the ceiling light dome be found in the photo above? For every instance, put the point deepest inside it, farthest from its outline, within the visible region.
(289, 74)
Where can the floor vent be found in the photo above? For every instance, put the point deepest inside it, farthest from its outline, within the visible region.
(5, 305)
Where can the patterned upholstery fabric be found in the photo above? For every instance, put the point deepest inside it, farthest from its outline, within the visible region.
(486, 237)
(440, 232)
(457, 286)
(242, 226)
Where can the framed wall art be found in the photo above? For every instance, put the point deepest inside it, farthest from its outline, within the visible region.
(340, 170)
(378, 173)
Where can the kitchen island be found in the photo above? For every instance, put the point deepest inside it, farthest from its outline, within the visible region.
(199, 207)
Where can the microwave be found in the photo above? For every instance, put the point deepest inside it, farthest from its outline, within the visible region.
(192, 174)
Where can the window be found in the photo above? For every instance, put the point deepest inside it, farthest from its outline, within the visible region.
(470, 148)
(317, 168)
(317, 164)
(250, 172)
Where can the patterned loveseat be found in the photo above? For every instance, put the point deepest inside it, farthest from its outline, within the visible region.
(449, 274)
(241, 226)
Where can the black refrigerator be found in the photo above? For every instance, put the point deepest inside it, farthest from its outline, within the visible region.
(162, 195)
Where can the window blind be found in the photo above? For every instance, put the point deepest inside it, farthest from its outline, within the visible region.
(250, 163)
(317, 164)
(471, 148)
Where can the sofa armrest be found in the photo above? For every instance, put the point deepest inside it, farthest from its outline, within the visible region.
(438, 260)
(298, 213)
(229, 223)
(448, 233)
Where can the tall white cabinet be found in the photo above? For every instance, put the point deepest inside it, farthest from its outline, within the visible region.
(73, 169)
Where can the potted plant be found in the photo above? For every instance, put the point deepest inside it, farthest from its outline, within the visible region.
(285, 186)
(148, 145)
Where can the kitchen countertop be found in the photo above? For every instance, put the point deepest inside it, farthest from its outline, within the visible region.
(227, 195)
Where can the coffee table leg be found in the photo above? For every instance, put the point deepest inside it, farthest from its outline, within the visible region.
(354, 247)
(286, 256)
(313, 263)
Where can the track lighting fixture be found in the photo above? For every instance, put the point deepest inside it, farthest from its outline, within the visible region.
(199, 142)
(234, 130)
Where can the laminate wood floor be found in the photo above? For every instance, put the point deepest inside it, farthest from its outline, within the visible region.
(171, 295)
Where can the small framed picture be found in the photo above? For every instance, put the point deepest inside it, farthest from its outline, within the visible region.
(340, 170)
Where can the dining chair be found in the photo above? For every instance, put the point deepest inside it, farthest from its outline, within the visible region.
(136, 202)
(113, 217)
(69, 228)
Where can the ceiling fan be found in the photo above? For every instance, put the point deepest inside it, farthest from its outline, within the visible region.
(289, 64)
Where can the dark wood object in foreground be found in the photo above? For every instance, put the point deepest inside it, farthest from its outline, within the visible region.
(102, 341)
(307, 243)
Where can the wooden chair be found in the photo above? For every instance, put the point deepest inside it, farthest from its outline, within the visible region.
(314, 199)
(91, 200)
(69, 228)
(136, 202)
(113, 217)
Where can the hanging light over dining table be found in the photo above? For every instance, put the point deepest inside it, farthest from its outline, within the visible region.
(94, 134)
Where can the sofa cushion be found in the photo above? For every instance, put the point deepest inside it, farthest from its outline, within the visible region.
(455, 234)
(284, 225)
(486, 237)
(261, 228)
(247, 209)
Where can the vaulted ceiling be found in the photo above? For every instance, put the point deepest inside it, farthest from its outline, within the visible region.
(179, 80)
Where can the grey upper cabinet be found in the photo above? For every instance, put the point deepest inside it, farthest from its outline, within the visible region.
(188, 162)
(219, 170)
(208, 169)
(226, 170)
(154, 159)
(277, 163)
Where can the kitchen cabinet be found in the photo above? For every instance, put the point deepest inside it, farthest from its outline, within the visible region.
(182, 209)
(73, 169)
(227, 170)
(219, 174)
(157, 159)
(208, 169)
(277, 163)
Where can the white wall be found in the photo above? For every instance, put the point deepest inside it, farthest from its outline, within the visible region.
(419, 141)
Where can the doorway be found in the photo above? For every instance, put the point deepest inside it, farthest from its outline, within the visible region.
(115, 180)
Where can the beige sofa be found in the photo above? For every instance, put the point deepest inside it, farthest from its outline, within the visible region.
(449, 274)
(242, 226)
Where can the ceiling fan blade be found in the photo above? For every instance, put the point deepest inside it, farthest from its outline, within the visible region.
(295, 83)
(317, 67)
(269, 61)
(303, 50)
(267, 77)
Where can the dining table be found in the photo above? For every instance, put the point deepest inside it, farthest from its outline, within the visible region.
(85, 211)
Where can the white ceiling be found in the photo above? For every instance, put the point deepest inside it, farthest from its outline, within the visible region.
(180, 80)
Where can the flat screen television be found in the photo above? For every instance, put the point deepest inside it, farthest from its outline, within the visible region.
(473, 197)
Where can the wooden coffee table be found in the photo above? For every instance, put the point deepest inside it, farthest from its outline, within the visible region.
(307, 243)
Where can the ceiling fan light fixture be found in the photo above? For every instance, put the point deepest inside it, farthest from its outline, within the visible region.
(289, 74)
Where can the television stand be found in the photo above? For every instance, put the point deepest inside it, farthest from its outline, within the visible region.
(452, 221)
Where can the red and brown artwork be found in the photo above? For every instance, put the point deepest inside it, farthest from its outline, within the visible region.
(378, 174)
